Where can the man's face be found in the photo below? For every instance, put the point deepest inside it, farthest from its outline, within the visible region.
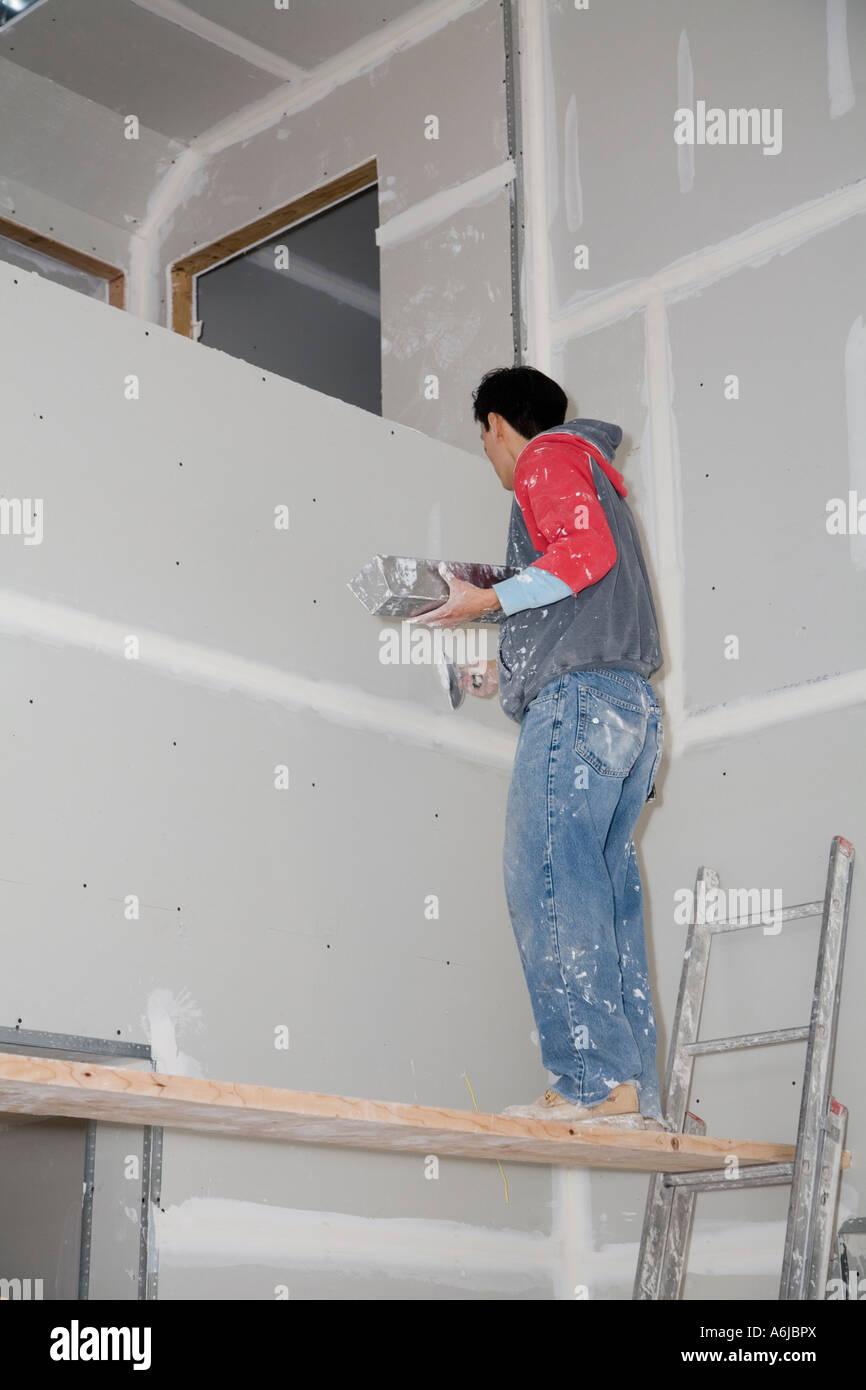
(498, 450)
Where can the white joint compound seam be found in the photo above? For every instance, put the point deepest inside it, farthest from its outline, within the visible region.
(261, 115)
(651, 294)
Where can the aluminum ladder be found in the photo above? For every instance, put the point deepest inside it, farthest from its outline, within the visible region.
(814, 1172)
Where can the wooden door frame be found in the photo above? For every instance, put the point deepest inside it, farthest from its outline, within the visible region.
(68, 255)
(184, 271)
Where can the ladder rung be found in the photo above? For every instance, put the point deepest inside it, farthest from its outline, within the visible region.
(785, 914)
(760, 1175)
(774, 1035)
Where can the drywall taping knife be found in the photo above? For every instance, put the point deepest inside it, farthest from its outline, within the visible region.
(401, 586)
(398, 586)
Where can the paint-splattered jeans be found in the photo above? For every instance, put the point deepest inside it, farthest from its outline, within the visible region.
(587, 755)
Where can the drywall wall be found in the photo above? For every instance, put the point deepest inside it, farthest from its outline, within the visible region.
(709, 299)
(620, 71)
(785, 329)
(172, 657)
(68, 168)
(433, 116)
(38, 211)
(701, 262)
(424, 94)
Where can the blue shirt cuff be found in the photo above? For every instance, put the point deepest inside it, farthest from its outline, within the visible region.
(532, 588)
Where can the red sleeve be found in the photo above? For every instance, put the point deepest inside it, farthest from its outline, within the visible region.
(564, 517)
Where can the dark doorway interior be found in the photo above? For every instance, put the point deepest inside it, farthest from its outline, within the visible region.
(306, 303)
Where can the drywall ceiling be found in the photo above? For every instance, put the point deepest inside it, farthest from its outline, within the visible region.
(309, 31)
(131, 60)
(122, 57)
(80, 68)
(74, 150)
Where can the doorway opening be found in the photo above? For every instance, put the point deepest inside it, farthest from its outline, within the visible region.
(297, 292)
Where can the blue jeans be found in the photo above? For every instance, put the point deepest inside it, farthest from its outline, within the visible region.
(587, 755)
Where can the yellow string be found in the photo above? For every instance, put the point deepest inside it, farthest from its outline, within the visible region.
(498, 1164)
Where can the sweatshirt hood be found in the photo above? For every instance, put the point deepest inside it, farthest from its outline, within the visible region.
(604, 436)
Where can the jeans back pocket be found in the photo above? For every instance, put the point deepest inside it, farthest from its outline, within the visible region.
(610, 732)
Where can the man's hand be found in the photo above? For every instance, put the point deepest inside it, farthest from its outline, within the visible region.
(465, 603)
(481, 680)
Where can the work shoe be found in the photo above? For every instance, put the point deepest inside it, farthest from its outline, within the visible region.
(619, 1109)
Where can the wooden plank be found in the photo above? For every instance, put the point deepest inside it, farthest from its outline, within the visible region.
(117, 292)
(181, 302)
(51, 1086)
(184, 271)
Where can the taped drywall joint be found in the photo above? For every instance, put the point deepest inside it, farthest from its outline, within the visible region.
(840, 87)
(145, 247)
(211, 1231)
(572, 1229)
(345, 705)
(685, 277)
(261, 115)
(685, 99)
(194, 23)
(421, 217)
(303, 271)
(750, 713)
(350, 63)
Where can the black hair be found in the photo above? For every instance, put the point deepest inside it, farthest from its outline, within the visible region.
(523, 396)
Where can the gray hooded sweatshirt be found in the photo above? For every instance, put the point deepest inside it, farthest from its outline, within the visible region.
(610, 623)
